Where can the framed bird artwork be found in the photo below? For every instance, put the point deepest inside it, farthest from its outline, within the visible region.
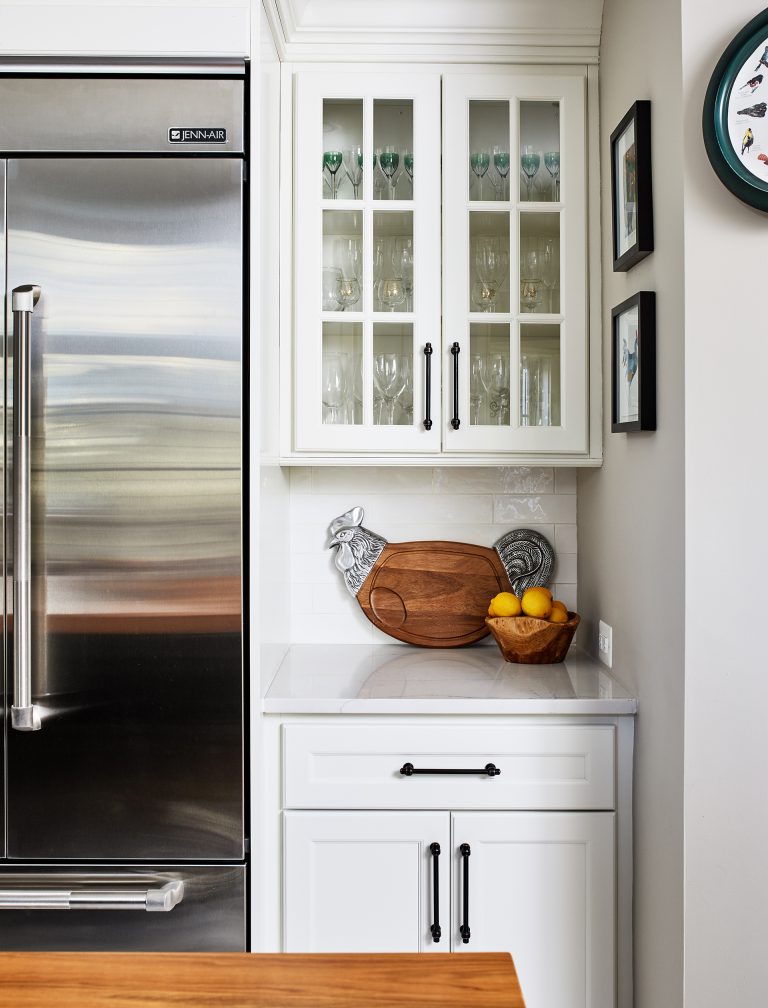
(734, 120)
(631, 190)
(633, 364)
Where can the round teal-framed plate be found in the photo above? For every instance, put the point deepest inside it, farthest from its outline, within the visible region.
(735, 119)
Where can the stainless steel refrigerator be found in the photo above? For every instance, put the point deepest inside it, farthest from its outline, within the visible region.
(122, 201)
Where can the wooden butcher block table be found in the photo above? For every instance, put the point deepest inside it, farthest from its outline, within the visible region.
(241, 980)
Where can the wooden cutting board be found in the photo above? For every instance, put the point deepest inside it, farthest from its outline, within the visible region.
(433, 594)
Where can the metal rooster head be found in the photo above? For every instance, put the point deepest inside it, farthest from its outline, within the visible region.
(358, 548)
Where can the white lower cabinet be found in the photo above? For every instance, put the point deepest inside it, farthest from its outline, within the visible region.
(537, 884)
(541, 886)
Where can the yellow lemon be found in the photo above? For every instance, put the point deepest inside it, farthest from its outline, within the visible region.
(504, 604)
(559, 613)
(537, 602)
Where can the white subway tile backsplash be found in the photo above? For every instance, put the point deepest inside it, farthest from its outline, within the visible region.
(370, 480)
(554, 508)
(496, 479)
(565, 539)
(474, 505)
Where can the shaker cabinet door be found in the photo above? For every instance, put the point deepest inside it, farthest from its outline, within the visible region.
(540, 885)
(364, 882)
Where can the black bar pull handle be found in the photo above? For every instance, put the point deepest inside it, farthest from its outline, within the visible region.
(455, 422)
(409, 770)
(428, 386)
(464, 927)
(435, 928)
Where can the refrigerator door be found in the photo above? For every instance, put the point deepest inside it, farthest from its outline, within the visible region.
(192, 908)
(134, 531)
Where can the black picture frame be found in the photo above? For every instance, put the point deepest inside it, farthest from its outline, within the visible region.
(743, 169)
(633, 371)
(632, 218)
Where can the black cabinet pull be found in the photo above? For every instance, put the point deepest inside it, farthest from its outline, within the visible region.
(455, 422)
(428, 388)
(435, 928)
(409, 770)
(464, 928)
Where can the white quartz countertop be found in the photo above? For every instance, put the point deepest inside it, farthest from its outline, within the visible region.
(400, 679)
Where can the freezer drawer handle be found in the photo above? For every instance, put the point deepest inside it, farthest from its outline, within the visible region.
(435, 928)
(24, 715)
(464, 931)
(153, 900)
(409, 770)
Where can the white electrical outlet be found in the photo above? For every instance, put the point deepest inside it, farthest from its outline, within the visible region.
(605, 644)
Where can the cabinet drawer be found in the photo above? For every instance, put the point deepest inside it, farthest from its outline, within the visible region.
(358, 766)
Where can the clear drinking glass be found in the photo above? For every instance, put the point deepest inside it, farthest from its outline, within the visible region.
(552, 164)
(353, 166)
(491, 261)
(531, 294)
(479, 162)
(332, 161)
(335, 387)
(391, 374)
(501, 165)
(347, 292)
(498, 387)
(408, 164)
(530, 162)
(484, 296)
(477, 386)
(391, 291)
(331, 279)
(403, 264)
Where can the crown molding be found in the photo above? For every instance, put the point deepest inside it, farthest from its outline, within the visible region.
(544, 31)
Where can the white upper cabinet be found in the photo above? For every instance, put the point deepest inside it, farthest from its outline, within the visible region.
(367, 262)
(440, 284)
(514, 262)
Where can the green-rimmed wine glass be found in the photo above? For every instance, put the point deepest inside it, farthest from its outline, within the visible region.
(479, 162)
(353, 166)
(501, 164)
(389, 162)
(530, 162)
(332, 160)
(408, 163)
(552, 164)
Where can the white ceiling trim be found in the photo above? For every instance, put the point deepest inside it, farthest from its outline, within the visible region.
(546, 31)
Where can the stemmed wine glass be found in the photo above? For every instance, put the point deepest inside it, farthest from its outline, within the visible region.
(332, 161)
(335, 387)
(484, 296)
(347, 292)
(479, 162)
(330, 290)
(408, 165)
(477, 386)
(389, 160)
(530, 162)
(491, 264)
(501, 164)
(550, 271)
(403, 263)
(391, 374)
(552, 164)
(353, 166)
(498, 387)
(391, 291)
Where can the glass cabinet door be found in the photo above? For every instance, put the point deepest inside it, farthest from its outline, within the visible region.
(367, 262)
(514, 262)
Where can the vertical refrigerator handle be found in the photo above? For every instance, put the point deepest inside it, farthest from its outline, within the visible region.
(24, 715)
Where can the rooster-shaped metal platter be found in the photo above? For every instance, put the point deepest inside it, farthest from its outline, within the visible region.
(434, 593)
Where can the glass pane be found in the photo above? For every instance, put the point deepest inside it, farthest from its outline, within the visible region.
(392, 374)
(342, 148)
(489, 374)
(393, 252)
(488, 262)
(540, 263)
(539, 375)
(342, 273)
(540, 151)
(489, 150)
(342, 377)
(393, 149)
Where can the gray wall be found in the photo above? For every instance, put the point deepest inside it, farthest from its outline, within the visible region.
(726, 743)
(630, 521)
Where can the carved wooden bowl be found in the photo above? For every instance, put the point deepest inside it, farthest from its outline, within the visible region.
(530, 641)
